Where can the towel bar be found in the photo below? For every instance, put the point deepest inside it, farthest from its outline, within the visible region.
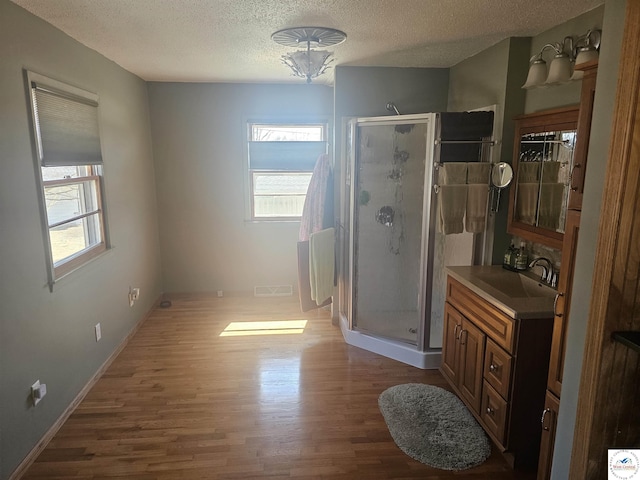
(443, 142)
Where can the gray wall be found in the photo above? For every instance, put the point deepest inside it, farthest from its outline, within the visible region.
(50, 335)
(199, 140)
(365, 92)
(589, 222)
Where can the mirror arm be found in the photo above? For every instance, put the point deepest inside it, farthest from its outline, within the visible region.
(501, 177)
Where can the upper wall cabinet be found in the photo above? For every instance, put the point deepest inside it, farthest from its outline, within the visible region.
(543, 164)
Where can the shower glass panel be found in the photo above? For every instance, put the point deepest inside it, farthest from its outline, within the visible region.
(387, 219)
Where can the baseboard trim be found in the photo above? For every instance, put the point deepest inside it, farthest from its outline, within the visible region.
(48, 436)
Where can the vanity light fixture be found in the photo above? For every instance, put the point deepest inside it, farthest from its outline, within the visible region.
(308, 63)
(566, 55)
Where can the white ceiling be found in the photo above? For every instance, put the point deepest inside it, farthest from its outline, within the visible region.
(230, 40)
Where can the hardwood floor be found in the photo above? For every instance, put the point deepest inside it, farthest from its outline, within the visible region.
(183, 402)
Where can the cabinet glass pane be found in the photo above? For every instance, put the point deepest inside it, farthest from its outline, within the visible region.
(544, 173)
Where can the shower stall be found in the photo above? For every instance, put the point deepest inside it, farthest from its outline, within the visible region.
(392, 276)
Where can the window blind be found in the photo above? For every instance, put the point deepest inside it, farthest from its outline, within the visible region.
(67, 128)
(296, 156)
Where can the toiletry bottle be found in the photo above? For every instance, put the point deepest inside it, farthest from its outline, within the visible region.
(522, 259)
(514, 254)
(506, 262)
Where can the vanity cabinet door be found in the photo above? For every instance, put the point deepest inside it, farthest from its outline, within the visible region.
(463, 356)
(563, 302)
(549, 419)
(450, 344)
(472, 344)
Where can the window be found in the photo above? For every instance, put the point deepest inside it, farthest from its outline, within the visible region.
(281, 160)
(65, 122)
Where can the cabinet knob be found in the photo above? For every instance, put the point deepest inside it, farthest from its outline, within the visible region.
(493, 368)
(490, 411)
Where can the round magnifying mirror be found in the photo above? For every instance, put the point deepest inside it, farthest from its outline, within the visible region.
(501, 175)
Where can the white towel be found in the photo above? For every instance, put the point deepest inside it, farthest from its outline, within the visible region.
(551, 197)
(478, 172)
(452, 205)
(550, 172)
(528, 172)
(477, 196)
(527, 202)
(476, 217)
(453, 173)
(321, 264)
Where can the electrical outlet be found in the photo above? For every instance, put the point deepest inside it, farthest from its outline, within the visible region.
(134, 294)
(38, 391)
(98, 332)
(220, 293)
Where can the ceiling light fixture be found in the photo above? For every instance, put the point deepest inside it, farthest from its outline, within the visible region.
(308, 63)
(567, 55)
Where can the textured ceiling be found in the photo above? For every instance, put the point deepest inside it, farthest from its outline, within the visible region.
(230, 40)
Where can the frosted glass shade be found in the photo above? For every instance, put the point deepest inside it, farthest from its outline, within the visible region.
(559, 70)
(537, 74)
(307, 63)
(585, 55)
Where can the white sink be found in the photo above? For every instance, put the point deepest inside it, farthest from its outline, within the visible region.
(516, 294)
(515, 284)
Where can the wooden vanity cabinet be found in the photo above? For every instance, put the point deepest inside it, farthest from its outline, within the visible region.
(558, 345)
(498, 366)
(549, 421)
(464, 358)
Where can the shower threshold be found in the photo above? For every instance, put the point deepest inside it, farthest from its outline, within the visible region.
(397, 350)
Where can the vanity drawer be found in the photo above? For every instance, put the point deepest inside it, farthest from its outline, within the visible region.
(493, 412)
(499, 327)
(497, 368)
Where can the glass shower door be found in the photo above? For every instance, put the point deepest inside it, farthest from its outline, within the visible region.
(388, 199)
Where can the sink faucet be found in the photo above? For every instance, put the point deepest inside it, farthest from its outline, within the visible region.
(548, 274)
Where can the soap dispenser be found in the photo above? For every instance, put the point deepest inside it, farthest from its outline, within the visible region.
(522, 259)
(509, 257)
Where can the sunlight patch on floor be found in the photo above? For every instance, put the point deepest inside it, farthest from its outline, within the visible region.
(269, 327)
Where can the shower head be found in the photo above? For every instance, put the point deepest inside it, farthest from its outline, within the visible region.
(392, 108)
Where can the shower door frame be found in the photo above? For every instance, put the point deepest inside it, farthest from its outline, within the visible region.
(428, 215)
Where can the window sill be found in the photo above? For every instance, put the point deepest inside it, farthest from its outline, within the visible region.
(272, 221)
(64, 278)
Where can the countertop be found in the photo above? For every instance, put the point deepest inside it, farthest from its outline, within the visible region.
(518, 295)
